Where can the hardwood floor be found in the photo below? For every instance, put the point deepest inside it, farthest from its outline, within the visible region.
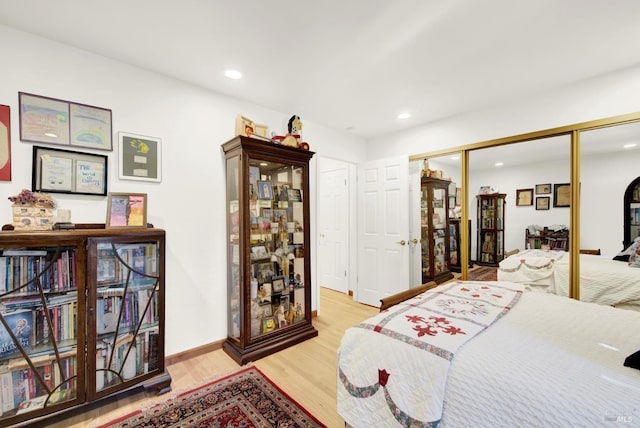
(307, 371)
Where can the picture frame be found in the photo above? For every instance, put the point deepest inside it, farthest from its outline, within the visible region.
(49, 120)
(524, 197)
(140, 157)
(278, 284)
(5, 143)
(64, 171)
(543, 189)
(265, 190)
(263, 271)
(266, 310)
(543, 202)
(126, 210)
(561, 195)
(268, 324)
(294, 195)
(244, 126)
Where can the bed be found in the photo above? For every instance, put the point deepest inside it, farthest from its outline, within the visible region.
(602, 280)
(541, 360)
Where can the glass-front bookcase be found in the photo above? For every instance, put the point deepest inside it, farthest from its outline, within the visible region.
(269, 275)
(436, 233)
(490, 228)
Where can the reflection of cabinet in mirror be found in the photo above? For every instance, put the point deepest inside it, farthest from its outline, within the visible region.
(632, 212)
(434, 221)
(491, 228)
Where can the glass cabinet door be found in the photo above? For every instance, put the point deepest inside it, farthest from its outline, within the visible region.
(127, 312)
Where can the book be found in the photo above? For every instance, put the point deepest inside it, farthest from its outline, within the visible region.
(21, 323)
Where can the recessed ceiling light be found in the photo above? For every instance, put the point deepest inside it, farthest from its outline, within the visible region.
(233, 74)
(455, 157)
(629, 146)
(404, 115)
(499, 163)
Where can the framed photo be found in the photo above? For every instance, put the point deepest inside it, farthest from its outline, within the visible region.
(53, 121)
(263, 271)
(140, 157)
(265, 191)
(266, 310)
(561, 195)
(278, 284)
(126, 210)
(65, 171)
(543, 189)
(542, 202)
(524, 197)
(294, 195)
(5, 143)
(244, 126)
(259, 252)
(268, 324)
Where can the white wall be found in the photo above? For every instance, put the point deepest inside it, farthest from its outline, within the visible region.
(189, 202)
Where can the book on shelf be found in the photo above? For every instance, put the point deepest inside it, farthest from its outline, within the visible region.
(21, 324)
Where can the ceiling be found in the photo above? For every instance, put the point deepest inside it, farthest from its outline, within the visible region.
(352, 65)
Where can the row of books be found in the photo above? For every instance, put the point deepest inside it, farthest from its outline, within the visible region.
(128, 357)
(138, 306)
(34, 329)
(20, 268)
(21, 389)
(126, 262)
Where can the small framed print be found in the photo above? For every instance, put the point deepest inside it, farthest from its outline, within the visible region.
(278, 284)
(126, 210)
(268, 324)
(543, 189)
(561, 195)
(140, 157)
(266, 310)
(542, 202)
(294, 195)
(524, 197)
(265, 191)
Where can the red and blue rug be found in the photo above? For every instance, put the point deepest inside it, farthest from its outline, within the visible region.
(243, 399)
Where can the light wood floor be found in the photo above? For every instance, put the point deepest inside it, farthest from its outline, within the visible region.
(307, 371)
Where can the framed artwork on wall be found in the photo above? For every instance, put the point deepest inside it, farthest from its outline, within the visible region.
(66, 171)
(543, 189)
(561, 195)
(524, 197)
(140, 157)
(542, 202)
(52, 121)
(5, 143)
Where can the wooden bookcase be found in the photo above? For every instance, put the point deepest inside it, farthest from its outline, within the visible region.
(436, 234)
(548, 239)
(81, 318)
(268, 248)
(490, 228)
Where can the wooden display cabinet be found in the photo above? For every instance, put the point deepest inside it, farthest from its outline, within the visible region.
(81, 318)
(268, 254)
(436, 233)
(490, 228)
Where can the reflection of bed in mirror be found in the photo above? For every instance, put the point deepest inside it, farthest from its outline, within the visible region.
(602, 280)
(489, 354)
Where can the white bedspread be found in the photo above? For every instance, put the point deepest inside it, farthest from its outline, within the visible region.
(550, 361)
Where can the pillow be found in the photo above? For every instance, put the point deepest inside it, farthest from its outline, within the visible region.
(633, 360)
(629, 253)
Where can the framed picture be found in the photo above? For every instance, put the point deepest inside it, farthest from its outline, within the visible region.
(294, 195)
(278, 284)
(265, 191)
(263, 271)
(268, 324)
(561, 195)
(126, 210)
(65, 171)
(543, 189)
(542, 202)
(266, 310)
(53, 121)
(140, 157)
(524, 197)
(5, 143)
(244, 126)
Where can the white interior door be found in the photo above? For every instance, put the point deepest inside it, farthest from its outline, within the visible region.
(333, 224)
(383, 229)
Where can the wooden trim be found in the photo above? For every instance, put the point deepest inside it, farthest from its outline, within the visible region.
(394, 299)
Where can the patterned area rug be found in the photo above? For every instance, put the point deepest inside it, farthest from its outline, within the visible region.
(483, 273)
(244, 399)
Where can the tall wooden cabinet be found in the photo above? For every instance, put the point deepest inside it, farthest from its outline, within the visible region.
(268, 254)
(435, 236)
(81, 318)
(490, 243)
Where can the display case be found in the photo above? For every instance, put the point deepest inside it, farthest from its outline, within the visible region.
(490, 243)
(268, 254)
(631, 213)
(435, 236)
(77, 310)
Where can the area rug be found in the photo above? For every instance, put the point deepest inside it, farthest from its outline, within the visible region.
(483, 273)
(244, 399)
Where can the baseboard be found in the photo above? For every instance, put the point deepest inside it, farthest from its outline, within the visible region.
(204, 349)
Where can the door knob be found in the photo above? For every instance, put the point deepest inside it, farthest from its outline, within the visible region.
(401, 242)
(414, 240)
